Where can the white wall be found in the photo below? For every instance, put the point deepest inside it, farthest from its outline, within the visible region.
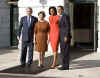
(4, 24)
(37, 6)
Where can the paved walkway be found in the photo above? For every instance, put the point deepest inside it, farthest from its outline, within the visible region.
(84, 64)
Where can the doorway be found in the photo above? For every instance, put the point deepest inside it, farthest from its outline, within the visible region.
(13, 25)
(84, 25)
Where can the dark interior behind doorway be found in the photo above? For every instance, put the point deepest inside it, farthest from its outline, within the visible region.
(84, 20)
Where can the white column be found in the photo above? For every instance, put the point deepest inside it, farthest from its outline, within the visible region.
(71, 22)
(98, 21)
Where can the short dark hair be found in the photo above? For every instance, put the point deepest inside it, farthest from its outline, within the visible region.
(61, 7)
(54, 8)
(42, 12)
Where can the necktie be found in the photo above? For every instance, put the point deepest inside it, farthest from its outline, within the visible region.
(28, 21)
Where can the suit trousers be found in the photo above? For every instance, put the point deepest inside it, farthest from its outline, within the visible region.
(65, 54)
(25, 45)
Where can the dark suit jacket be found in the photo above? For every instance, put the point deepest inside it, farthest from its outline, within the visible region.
(27, 32)
(64, 25)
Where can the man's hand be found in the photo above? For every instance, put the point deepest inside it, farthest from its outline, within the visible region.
(65, 39)
(18, 38)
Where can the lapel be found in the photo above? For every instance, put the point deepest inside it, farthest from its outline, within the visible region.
(61, 19)
(26, 21)
(62, 16)
(31, 20)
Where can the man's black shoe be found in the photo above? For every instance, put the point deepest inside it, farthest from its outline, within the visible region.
(63, 68)
(29, 65)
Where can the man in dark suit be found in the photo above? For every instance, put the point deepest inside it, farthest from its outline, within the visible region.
(26, 28)
(64, 24)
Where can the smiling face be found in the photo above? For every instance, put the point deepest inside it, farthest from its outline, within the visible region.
(41, 16)
(52, 12)
(60, 10)
(29, 11)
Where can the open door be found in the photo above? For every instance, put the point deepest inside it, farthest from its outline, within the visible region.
(84, 25)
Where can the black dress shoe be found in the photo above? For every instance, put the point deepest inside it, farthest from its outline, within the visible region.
(29, 65)
(63, 68)
(23, 65)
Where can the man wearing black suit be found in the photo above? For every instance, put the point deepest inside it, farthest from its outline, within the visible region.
(64, 25)
(26, 28)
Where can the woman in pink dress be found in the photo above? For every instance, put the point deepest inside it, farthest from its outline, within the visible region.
(54, 33)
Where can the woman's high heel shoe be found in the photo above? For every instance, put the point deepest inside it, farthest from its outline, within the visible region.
(41, 66)
(53, 67)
